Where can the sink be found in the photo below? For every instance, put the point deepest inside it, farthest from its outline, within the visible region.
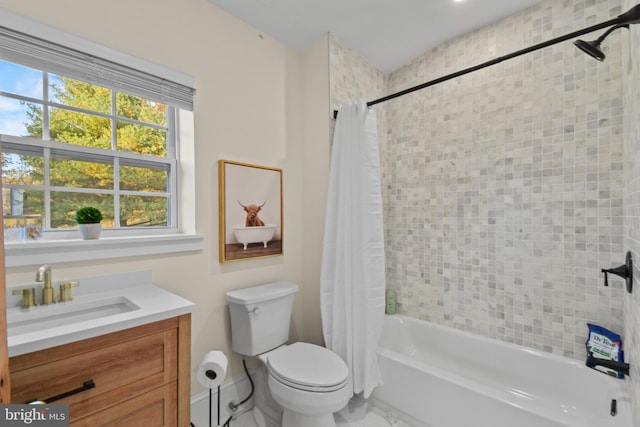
(101, 305)
(20, 321)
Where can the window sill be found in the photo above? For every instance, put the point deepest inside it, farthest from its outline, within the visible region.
(54, 251)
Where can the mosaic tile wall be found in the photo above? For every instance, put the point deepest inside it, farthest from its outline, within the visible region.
(504, 187)
(351, 77)
(631, 82)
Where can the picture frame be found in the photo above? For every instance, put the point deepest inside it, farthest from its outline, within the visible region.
(250, 211)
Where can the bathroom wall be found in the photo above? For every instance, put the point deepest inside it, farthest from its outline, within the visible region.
(504, 187)
(352, 77)
(248, 107)
(631, 108)
(316, 127)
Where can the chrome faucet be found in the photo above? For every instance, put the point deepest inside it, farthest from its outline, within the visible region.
(48, 293)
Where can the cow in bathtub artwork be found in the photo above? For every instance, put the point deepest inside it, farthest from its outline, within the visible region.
(251, 211)
(253, 220)
(254, 230)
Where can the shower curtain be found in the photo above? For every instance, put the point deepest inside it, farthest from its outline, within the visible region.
(353, 269)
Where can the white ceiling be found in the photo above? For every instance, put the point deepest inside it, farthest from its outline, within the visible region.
(388, 33)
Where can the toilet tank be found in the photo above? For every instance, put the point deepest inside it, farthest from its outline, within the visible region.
(260, 317)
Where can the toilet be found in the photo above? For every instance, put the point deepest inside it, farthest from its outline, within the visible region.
(310, 382)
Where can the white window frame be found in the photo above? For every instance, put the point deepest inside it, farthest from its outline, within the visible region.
(44, 148)
(181, 236)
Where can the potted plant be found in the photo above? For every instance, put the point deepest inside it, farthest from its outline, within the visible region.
(88, 219)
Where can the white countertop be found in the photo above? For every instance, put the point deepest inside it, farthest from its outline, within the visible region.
(152, 304)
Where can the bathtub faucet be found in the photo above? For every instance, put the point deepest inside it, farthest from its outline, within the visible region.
(621, 367)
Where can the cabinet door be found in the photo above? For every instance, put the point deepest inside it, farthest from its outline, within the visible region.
(122, 365)
(156, 408)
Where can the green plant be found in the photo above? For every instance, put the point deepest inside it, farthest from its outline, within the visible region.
(88, 215)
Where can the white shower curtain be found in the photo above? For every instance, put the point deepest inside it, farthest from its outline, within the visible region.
(353, 268)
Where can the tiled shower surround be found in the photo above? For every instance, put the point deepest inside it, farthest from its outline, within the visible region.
(503, 189)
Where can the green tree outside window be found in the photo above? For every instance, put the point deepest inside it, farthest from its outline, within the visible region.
(139, 126)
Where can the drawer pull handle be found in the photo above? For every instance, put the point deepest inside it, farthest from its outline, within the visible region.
(87, 385)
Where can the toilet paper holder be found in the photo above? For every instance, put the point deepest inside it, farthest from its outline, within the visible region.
(212, 369)
(210, 373)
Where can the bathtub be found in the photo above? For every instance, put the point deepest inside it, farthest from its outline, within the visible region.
(436, 376)
(246, 235)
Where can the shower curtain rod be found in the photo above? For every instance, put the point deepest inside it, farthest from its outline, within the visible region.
(630, 17)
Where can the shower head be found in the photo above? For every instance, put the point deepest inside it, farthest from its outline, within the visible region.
(592, 48)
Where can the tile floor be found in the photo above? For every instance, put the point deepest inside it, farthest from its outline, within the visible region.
(358, 412)
(355, 414)
(361, 413)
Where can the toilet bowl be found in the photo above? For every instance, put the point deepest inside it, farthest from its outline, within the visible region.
(310, 382)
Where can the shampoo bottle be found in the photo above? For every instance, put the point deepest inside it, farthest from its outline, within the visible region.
(390, 307)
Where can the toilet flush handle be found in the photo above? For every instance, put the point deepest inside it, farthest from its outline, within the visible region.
(254, 310)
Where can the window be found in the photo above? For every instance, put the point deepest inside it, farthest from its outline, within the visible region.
(46, 56)
(69, 143)
(79, 130)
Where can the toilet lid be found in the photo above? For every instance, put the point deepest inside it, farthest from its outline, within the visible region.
(308, 366)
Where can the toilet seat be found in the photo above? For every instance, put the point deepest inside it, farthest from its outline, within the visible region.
(308, 367)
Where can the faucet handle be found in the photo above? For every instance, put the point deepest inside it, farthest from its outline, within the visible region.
(65, 290)
(625, 271)
(28, 296)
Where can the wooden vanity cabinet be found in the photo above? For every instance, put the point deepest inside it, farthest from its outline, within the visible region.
(141, 376)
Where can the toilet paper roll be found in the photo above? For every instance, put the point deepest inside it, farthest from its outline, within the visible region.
(212, 369)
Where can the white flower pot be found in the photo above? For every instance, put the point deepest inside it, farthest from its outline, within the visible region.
(90, 231)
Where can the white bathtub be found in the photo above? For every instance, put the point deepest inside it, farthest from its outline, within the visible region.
(262, 234)
(437, 376)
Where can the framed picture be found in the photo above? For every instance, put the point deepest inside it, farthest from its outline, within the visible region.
(250, 211)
